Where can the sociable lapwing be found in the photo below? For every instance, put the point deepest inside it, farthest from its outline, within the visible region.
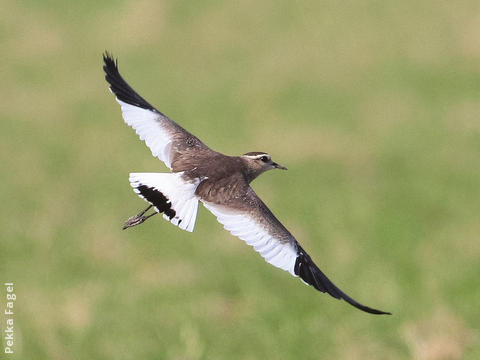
(220, 182)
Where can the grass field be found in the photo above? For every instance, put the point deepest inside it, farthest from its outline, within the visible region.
(373, 106)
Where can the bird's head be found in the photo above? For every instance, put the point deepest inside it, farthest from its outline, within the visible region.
(258, 162)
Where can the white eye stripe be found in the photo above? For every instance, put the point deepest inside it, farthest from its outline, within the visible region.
(257, 157)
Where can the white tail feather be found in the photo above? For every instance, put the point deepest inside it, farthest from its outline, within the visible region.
(180, 193)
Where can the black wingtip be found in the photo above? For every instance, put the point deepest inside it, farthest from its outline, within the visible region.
(306, 269)
(119, 86)
(110, 62)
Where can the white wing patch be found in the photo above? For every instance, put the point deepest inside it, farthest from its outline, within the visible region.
(244, 226)
(180, 193)
(147, 125)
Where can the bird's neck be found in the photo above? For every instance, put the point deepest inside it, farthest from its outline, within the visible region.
(250, 173)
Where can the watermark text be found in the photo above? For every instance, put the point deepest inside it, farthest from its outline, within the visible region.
(9, 312)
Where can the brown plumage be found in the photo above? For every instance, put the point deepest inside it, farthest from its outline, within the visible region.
(220, 182)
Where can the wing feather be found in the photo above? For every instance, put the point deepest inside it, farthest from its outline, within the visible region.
(157, 130)
(254, 233)
(249, 219)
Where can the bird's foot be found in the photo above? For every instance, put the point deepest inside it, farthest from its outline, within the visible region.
(138, 219)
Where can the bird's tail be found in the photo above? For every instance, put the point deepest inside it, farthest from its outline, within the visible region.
(170, 194)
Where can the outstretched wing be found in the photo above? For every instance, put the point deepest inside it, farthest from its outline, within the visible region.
(165, 138)
(248, 218)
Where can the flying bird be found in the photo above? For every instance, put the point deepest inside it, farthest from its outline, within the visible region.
(220, 182)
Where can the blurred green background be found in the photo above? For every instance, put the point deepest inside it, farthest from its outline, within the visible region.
(374, 107)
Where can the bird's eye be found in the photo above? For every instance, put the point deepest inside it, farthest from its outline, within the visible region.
(264, 158)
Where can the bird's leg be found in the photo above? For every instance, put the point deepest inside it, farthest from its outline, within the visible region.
(144, 211)
(138, 219)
